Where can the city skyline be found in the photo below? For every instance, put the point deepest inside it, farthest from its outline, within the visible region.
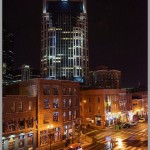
(117, 35)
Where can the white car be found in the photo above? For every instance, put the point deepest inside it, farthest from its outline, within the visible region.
(142, 120)
(133, 123)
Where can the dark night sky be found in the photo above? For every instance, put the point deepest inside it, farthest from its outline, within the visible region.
(117, 35)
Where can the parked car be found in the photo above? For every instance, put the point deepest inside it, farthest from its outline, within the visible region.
(142, 120)
(75, 146)
(126, 125)
(133, 123)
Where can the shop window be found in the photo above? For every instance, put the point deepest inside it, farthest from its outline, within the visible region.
(21, 141)
(55, 116)
(22, 124)
(29, 122)
(46, 90)
(43, 137)
(46, 104)
(55, 91)
(30, 139)
(30, 105)
(46, 119)
(11, 125)
(55, 103)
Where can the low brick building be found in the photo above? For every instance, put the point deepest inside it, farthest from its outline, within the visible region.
(19, 122)
(103, 106)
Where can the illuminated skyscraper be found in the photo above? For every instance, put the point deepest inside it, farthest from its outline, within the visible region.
(64, 40)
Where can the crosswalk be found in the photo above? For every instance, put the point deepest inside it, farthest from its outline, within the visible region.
(135, 133)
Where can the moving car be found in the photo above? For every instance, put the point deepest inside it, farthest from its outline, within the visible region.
(126, 125)
(142, 120)
(75, 146)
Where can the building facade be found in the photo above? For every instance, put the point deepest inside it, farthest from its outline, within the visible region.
(64, 40)
(57, 106)
(105, 79)
(103, 106)
(19, 130)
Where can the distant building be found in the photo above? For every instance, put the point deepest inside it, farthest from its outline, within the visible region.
(64, 40)
(57, 105)
(103, 106)
(25, 73)
(7, 56)
(105, 79)
(19, 129)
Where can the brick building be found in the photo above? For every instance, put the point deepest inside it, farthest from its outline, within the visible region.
(57, 106)
(19, 122)
(101, 106)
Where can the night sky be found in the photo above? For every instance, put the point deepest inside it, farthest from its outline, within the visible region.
(117, 35)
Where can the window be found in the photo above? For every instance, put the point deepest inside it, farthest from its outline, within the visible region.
(98, 109)
(55, 116)
(89, 109)
(46, 104)
(19, 107)
(70, 91)
(64, 116)
(64, 103)
(11, 125)
(70, 115)
(70, 103)
(74, 91)
(89, 100)
(55, 91)
(30, 105)
(12, 107)
(46, 90)
(46, 119)
(98, 99)
(22, 124)
(75, 114)
(64, 91)
(29, 122)
(55, 103)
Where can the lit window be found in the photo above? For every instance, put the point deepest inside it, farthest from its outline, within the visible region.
(46, 104)
(55, 116)
(64, 116)
(30, 105)
(70, 103)
(19, 107)
(70, 115)
(55, 103)
(64, 103)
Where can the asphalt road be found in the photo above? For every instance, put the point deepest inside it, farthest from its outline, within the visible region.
(134, 138)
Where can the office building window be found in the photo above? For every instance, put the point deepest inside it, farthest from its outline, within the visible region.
(30, 105)
(46, 104)
(55, 116)
(55, 103)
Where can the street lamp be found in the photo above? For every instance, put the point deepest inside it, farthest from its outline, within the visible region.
(49, 129)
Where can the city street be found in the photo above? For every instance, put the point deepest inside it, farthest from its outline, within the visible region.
(134, 138)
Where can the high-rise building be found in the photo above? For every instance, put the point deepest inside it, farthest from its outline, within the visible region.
(7, 56)
(64, 40)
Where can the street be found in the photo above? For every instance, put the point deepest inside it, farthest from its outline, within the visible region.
(134, 138)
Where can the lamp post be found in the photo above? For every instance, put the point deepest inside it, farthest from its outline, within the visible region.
(49, 129)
